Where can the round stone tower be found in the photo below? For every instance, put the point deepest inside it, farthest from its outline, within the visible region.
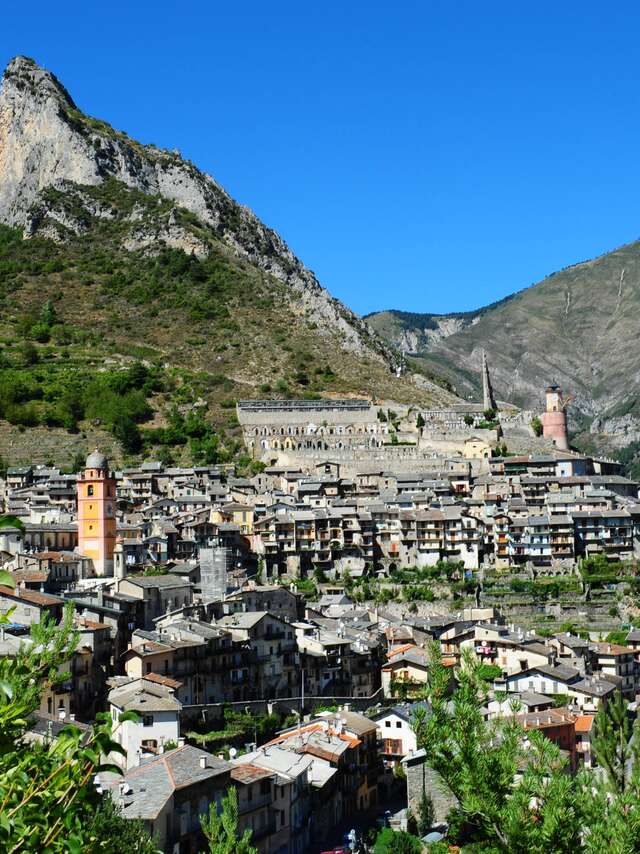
(554, 420)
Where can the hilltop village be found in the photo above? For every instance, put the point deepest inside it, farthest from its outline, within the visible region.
(273, 634)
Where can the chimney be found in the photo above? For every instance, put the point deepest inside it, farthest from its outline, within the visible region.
(203, 761)
(181, 742)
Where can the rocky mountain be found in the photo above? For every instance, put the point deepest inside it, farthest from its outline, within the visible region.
(135, 246)
(416, 333)
(45, 141)
(576, 328)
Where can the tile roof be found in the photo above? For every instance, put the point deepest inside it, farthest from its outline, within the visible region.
(584, 723)
(163, 680)
(250, 773)
(30, 596)
(616, 649)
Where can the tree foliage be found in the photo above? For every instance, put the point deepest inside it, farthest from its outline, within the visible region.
(48, 798)
(514, 795)
(221, 829)
(397, 842)
(479, 760)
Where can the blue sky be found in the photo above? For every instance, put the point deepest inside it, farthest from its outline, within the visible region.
(427, 156)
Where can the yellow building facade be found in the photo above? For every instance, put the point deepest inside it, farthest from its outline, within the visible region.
(97, 513)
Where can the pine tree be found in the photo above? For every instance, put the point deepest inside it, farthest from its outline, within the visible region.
(615, 746)
(222, 830)
(425, 814)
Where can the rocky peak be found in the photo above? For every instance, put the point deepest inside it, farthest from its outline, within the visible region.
(45, 141)
(23, 74)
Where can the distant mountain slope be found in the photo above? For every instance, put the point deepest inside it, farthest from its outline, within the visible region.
(139, 254)
(577, 327)
(415, 333)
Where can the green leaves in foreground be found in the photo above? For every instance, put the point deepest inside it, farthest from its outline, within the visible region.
(48, 801)
(514, 791)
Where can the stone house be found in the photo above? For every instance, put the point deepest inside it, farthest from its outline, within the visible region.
(158, 722)
(169, 793)
(158, 593)
(273, 647)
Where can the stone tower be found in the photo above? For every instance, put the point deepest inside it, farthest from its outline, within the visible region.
(119, 568)
(97, 513)
(554, 420)
(488, 400)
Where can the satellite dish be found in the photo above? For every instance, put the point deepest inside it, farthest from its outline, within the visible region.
(233, 752)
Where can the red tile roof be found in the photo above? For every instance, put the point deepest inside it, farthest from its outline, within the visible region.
(163, 680)
(31, 596)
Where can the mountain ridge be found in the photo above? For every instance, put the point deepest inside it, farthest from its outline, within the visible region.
(574, 327)
(132, 248)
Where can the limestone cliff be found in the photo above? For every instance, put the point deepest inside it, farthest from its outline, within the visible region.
(45, 142)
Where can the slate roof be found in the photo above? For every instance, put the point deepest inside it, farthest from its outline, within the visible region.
(154, 780)
(150, 581)
(141, 695)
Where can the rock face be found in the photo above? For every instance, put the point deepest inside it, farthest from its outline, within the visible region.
(415, 333)
(45, 141)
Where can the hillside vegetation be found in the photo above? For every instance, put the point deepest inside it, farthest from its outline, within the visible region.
(153, 346)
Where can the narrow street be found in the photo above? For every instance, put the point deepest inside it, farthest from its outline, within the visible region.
(336, 835)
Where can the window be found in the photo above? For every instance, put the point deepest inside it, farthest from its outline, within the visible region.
(89, 490)
(148, 668)
(147, 720)
(387, 723)
(398, 724)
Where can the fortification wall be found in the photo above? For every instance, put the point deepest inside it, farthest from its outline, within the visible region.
(396, 457)
(284, 412)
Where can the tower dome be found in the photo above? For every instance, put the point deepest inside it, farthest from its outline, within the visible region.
(96, 460)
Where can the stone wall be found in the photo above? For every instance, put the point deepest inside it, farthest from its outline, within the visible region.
(212, 712)
(420, 777)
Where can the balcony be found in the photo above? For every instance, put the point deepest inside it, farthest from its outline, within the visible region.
(486, 651)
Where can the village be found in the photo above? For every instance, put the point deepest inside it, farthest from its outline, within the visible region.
(275, 633)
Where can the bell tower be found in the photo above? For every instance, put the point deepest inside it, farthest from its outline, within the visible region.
(97, 513)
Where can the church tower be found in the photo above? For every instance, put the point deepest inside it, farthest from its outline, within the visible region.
(97, 513)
